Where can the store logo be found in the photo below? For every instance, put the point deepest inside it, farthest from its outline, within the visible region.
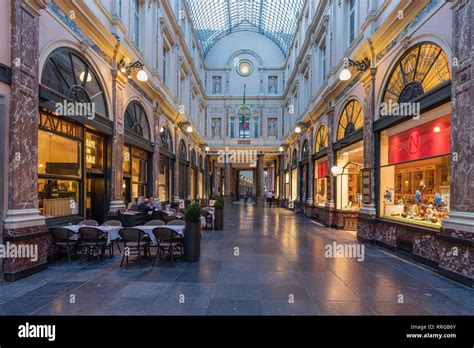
(351, 251)
(75, 109)
(37, 331)
(19, 251)
(400, 109)
(414, 142)
(237, 156)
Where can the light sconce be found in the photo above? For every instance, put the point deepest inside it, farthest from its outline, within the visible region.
(336, 170)
(300, 126)
(282, 148)
(186, 126)
(205, 147)
(362, 66)
(126, 69)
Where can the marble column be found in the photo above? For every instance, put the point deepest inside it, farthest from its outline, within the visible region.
(176, 196)
(260, 194)
(227, 182)
(23, 225)
(216, 180)
(207, 186)
(118, 84)
(281, 178)
(331, 182)
(456, 258)
(367, 214)
(156, 153)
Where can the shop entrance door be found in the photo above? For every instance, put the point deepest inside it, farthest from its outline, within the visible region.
(126, 189)
(95, 197)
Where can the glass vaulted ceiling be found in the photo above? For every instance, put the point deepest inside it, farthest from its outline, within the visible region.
(276, 19)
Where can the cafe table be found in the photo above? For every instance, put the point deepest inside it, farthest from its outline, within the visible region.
(148, 230)
(112, 232)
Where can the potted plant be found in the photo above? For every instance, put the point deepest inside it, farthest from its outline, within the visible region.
(219, 214)
(192, 233)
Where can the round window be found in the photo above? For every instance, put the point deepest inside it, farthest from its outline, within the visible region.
(245, 68)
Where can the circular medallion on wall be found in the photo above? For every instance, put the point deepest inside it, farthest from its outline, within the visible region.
(245, 68)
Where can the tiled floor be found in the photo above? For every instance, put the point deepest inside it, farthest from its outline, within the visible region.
(266, 261)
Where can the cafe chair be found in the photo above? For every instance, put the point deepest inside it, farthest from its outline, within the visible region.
(88, 223)
(155, 223)
(62, 240)
(134, 240)
(167, 219)
(169, 241)
(176, 223)
(93, 241)
(209, 219)
(116, 223)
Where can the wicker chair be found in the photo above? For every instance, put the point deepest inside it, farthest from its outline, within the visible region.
(169, 241)
(134, 240)
(176, 223)
(155, 223)
(209, 219)
(88, 223)
(116, 223)
(62, 240)
(167, 219)
(93, 240)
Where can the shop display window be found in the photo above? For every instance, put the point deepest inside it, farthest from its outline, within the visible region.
(294, 184)
(94, 152)
(164, 180)
(415, 172)
(349, 179)
(320, 181)
(58, 197)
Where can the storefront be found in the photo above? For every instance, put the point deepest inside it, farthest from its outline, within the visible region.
(321, 167)
(294, 177)
(73, 141)
(193, 177)
(137, 154)
(167, 157)
(349, 161)
(201, 179)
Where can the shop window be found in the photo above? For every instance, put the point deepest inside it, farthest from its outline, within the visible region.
(59, 174)
(349, 179)
(164, 180)
(320, 181)
(294, 184)
(127, 160)
(351, 120)
(94, 152)
(415, 172)
(139, 178)
(165, 138)
(420, 70)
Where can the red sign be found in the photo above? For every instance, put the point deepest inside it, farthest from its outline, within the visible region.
(322, 169)
(428, 140)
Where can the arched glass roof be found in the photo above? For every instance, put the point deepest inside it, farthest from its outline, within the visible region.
(276, 19)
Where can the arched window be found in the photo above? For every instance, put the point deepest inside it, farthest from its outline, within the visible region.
(69, 77)
(183, 154)
(136, 120)
(165, 138)
(351, 120)
(193, 157)
(244, 115)
(322, 139)
(305, 150)
(294, 158)
(421, 69)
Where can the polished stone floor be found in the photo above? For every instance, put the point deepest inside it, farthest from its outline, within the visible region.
(265, 262)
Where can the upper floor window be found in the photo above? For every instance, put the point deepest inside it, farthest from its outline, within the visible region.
(352, 21)
(166, 62)
(136, 22)
(305, 150)
(136, 120)
(322, 61)
(183, 153)
(118, 7)
(322, 139)
(244, 122)
(256, 127)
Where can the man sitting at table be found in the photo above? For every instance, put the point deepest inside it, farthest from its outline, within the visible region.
(145, 206)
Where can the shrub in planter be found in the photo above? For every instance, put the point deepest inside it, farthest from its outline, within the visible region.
(219, 214)
(192, 234)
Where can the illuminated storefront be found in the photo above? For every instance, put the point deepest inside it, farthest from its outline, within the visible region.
(304, 172)
(166, 166)
(294, 177)
(320, 166)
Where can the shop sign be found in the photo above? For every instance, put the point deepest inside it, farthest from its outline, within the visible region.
(428, 140)
(59, 125)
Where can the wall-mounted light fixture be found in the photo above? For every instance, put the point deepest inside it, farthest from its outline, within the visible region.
(300, 126)
(362, 65)
(205, 147)
(186, 126)
(127, 68)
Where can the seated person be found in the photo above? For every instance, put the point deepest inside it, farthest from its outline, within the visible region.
(145, 206)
